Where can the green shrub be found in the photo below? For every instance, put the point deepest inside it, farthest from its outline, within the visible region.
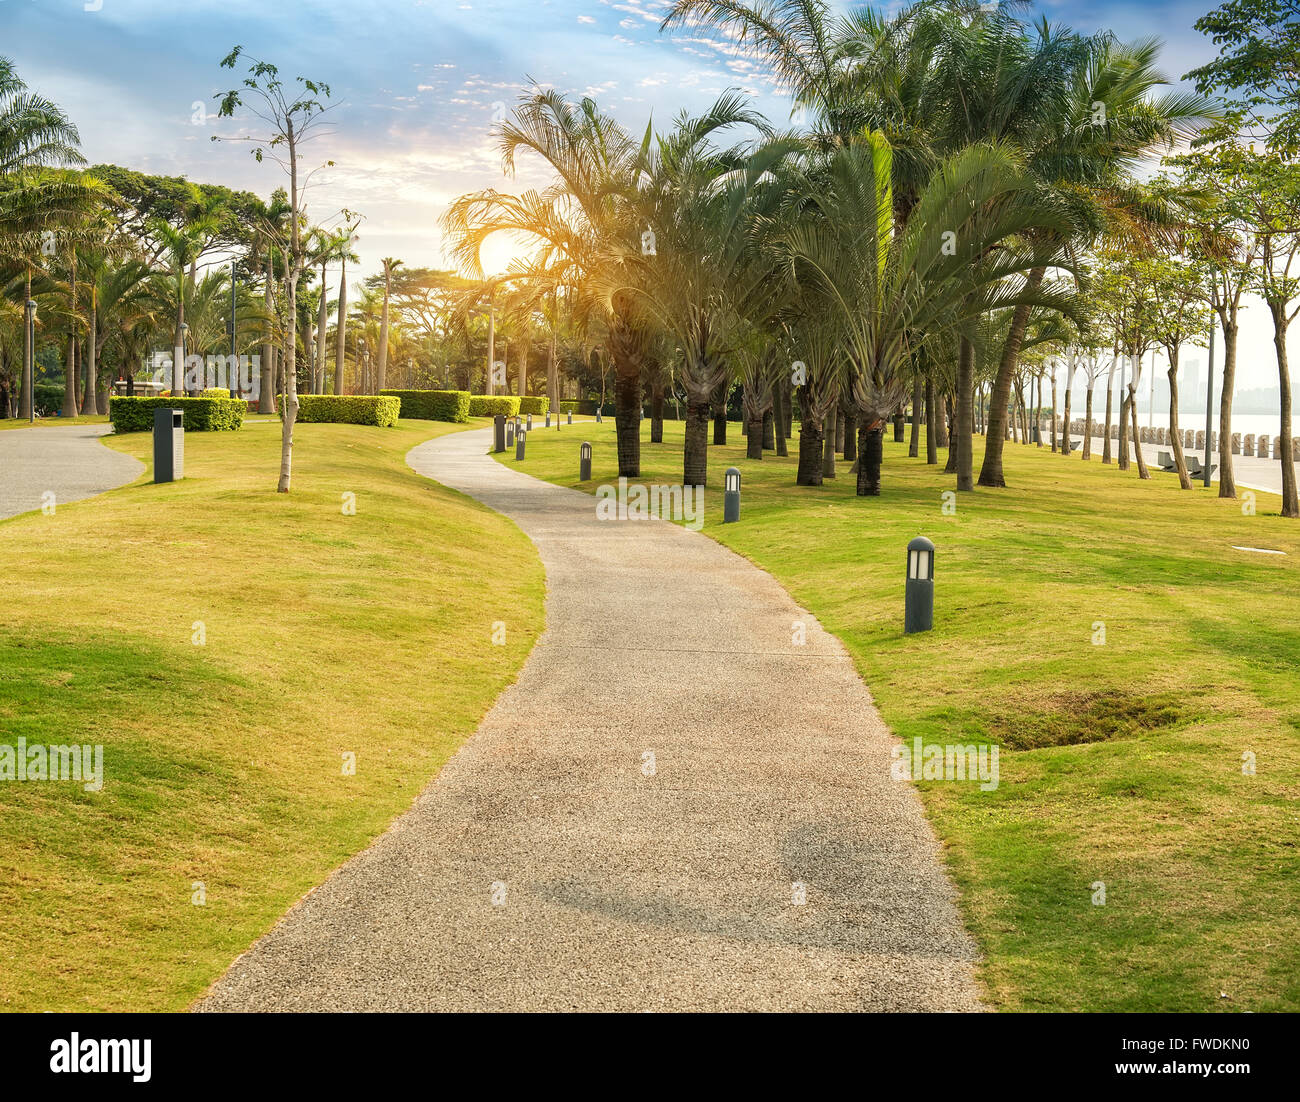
(432, 405)
(201, 414)
(214, 392)
(347, 409)
(580, 405)
(482, 405)
(536, 406)
(47, 398)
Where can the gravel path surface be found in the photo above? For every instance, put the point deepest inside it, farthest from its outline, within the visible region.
(66, 459)
(619, 890)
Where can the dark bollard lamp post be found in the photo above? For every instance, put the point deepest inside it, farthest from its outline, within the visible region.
(519, 445)
(919, 609)
(731, 496)
(584, 463)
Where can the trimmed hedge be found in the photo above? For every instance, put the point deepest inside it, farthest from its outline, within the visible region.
(432, 405)
(346, 409)
(214, 392)
(200, 414)
(578, 405)
(48, 398)
(536, 406)
(482, 405)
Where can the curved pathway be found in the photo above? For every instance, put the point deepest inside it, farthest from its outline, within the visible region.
(66, 459)
(618, 886)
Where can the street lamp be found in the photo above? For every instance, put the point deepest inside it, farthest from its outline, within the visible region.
(919, 599)
(29, 360)
(361, 363)
(731, 496)
(233, 370)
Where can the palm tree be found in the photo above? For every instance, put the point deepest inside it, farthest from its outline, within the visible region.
(581, 227)
(887, 287)
(390, 264)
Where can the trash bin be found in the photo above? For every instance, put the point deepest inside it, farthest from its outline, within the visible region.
(168, 445)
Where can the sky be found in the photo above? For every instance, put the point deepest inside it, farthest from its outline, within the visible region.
(419, 84)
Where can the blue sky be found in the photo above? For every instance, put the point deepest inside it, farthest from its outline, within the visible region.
(418, 80)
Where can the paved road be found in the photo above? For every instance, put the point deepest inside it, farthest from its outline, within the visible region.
(68, 460)
(622, 890)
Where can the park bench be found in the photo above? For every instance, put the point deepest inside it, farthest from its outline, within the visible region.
(1165, 460)
(1196, 468)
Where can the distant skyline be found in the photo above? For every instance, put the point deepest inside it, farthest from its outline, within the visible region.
(419, 82)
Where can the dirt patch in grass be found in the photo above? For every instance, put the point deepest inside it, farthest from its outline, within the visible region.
(1074, 718)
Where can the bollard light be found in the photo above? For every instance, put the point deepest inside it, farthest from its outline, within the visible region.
(919, 605)
(510, 433)
(548, 419)
(584, 463)
(529, 427)
(570, 416)
(519, 445)
(499, 433)
(731, 496)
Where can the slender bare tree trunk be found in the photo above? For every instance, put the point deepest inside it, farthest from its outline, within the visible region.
(322, 326)
(1175, 433)
(1285, 452)
(1087, 423)
(965, 414)
(1227, 481)
(914, 444)
(1069, 396)
(780, 402)
(1133, 414)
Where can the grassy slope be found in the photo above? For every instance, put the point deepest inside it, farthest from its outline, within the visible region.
(325, 634)
(1120, 762)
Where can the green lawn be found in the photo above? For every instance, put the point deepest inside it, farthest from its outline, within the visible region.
(1120, 763)
(46, 422)
(324, 635)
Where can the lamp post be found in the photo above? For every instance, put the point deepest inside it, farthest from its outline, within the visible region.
(361, 364)
(918, 612)
(29, 362)
(519, 444)
(584, 463)
(731, 496)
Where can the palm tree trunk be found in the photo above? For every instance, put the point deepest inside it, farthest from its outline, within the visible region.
(322, 325)
(266, 395)
(871, 445)
(931, 430)
(719, 405)
(810, 448)
(381, 370)
(850, 436)
(695, 455)
(626, 353)
(965, 414)
(341, 328)
(1053, 423)
(779, 405)
(991, 473)
(754, 436)
(70, 370)
(828, 446)
(914, 444)
(90, 404)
